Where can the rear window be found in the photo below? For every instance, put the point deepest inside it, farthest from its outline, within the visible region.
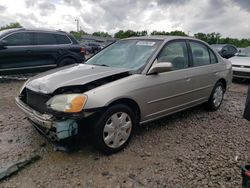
(62, 39)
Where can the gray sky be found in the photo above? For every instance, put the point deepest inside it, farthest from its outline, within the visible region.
(228, 17)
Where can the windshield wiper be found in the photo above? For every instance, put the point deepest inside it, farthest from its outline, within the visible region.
(104, 65)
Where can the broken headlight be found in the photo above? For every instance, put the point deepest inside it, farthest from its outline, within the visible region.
(68, 102)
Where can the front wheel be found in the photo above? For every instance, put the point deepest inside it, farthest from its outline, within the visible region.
(216, 97)
(114, 129)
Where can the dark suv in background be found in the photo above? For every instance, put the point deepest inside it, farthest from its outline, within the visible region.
(27, 50)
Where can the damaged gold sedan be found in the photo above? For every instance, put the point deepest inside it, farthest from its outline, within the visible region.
(131, 82)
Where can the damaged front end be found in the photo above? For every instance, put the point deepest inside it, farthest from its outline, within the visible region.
(53, 127)
(52, 120)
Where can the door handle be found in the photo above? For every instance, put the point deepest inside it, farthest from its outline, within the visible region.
(188, 79)
(28, 51)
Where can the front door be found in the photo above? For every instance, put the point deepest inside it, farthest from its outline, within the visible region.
(17, 55)
(169, 92)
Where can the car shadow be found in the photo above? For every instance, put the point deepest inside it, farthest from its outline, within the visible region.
(241, 81)
(83, 143)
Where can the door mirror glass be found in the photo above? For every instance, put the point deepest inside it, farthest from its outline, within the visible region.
(160, 67)
(3, 43)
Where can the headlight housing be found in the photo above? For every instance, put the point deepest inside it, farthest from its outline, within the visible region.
(68, 102)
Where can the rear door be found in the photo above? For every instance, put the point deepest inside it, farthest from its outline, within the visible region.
(203, 70)
(47, 49)
(17, 55)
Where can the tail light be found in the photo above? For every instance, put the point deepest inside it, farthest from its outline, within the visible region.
(82, 50)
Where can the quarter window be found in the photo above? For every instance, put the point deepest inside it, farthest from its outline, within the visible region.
(46, 39)
(200, 54)
(213, 58)
(175, 53)
(62, 39)
(20, 39)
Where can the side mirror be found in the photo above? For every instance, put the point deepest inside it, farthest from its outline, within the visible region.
(160, 67)
(3, 43)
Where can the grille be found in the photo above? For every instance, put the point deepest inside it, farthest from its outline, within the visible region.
(245, 74)
(36, 101)
(241, 66)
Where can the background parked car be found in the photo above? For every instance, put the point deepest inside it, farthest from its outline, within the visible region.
(241, 64)
(225, 50)
(240, 50)
(24, 50)
(95, 47)
(86, 49)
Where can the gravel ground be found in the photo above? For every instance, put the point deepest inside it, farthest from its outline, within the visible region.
(194, 148)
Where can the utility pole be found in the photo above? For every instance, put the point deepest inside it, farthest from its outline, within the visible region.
(77, 24)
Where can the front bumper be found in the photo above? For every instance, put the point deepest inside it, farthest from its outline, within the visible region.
(241, 72)
(44, 120)
(55, 129)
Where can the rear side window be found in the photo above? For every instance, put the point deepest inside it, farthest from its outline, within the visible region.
(175, 53)
(45, 39)
(200, 54)
(213, 58)
(20, 39)
(62, 39)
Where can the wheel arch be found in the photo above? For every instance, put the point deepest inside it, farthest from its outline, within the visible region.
(224, 83)
(66, 57)
(129, 102)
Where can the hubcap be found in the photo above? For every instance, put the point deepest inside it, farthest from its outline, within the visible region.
(218, 96)
(117, 129)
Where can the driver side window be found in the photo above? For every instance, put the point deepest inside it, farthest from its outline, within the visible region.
(175, 53)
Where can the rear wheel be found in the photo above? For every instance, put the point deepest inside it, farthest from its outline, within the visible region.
(216, 97)
(66, 61)
(114, 129)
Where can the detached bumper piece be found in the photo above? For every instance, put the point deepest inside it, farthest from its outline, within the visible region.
(52, 128)
(245, 176)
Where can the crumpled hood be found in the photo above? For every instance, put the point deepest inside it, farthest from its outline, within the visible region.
(236, 60)
(79, 74)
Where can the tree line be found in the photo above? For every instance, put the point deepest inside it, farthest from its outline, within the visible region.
(210, 38)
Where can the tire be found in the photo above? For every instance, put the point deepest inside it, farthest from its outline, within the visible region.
(66, 61)
(111, 137)
(216, 97)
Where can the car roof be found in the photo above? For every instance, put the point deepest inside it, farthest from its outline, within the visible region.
(163, 37)
(34, 29)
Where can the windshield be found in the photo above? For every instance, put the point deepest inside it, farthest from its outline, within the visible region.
(131, 54)
(3, 32)
(245, 52)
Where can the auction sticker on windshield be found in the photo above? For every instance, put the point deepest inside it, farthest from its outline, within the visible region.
(145, 43)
